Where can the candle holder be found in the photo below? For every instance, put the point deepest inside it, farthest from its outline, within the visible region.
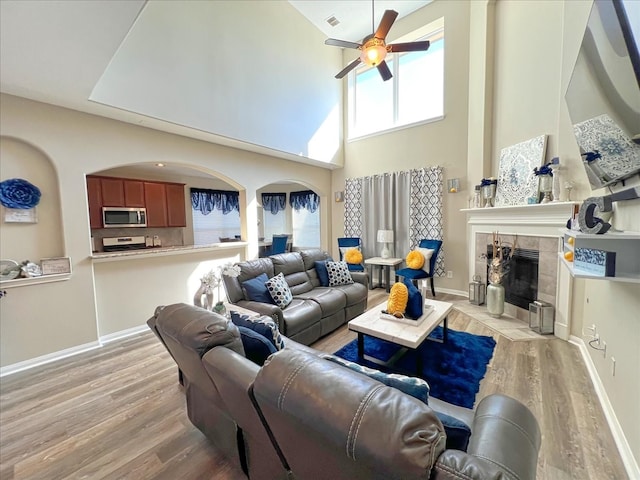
(488, 186)
(545, 187)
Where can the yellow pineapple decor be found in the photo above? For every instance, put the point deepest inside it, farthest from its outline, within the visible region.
(415, 260)
(398, 298)
(353, 255)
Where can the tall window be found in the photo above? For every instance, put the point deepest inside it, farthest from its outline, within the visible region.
(216, 215)
(414, 94)
(274, 218)
(306, 219)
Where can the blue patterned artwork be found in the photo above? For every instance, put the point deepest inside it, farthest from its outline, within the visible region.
(609, 154)
(516, 180)
(591, 261)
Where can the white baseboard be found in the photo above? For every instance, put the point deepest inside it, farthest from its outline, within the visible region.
(447, 290)
(52, 357)
(48, 358)
(112, 337)
(629, 461)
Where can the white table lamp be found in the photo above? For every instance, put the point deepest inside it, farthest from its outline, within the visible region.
(386, 237)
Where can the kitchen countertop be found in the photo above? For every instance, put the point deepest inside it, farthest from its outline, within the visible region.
(163, 251)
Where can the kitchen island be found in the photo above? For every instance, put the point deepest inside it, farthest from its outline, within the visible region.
(129, 285)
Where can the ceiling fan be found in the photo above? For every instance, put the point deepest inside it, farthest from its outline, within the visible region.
(374, 49)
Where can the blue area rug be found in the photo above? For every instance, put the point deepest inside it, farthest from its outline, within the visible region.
(453, 370)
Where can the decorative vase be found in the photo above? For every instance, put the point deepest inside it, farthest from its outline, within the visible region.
(489, 194)
(495, 299)
(219, 308)
(545, 188)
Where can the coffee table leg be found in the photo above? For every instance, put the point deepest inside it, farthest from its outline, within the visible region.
(360, 346)
(445, 330)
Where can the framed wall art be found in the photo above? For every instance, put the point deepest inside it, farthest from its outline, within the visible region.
(516, 181)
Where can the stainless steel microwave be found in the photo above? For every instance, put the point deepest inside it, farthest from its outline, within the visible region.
(119, 217)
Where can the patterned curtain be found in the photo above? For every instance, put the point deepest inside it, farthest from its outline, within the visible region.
(274, 202)
(304, 199)
(409, 203)
(206, 200)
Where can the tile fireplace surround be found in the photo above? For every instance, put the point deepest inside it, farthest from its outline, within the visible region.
(538, 227)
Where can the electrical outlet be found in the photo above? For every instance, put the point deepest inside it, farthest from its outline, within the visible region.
(449, 274)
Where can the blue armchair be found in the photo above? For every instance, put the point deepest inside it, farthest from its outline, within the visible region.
(278, 245)
(418, 274)
(344, 243)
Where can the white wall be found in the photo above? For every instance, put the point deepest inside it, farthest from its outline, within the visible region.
(64, 315)
(441, 143)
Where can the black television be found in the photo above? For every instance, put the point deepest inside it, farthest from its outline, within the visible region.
(603, 95)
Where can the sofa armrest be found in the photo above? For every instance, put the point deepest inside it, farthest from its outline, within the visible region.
(361, 277)
(505, 440)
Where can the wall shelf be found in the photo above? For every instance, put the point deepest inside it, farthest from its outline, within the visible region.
(626, 246)
(23, 282)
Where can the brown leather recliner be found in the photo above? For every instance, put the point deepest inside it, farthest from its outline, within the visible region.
(332, 423)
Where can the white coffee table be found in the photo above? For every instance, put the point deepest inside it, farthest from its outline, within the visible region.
(410, 337)
(381, 263)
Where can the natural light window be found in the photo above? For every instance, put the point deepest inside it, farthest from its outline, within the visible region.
(210, 228)
(414, 94)
(274, 224)
(306, 228)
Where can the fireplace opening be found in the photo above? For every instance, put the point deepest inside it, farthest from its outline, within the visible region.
(521, 280)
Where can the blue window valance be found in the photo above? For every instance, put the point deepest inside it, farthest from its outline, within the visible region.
(206, 200)
(274, 202)
(305, 199)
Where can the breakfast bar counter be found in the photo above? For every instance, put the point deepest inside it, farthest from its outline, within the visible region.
(165, 251)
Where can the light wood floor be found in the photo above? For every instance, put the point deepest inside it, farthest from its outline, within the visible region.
(118, 412)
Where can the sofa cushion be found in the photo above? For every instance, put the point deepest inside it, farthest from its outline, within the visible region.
(257, 347)
(355, 293)
(321, 270)
(291, 265)
(331, 300)
(414, 386)
(279, 290)
(414, 302)
(457, 431)
(338, 274)
(263, 325)
(256, 289)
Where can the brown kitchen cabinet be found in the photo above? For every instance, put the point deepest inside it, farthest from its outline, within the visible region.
(94, 195)
(155, 198)
(112, 192)
(176, 214)
(134, 193)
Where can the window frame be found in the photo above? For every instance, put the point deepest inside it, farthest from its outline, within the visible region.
(434, 31)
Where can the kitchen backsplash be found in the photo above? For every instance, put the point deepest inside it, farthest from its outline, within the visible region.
(169, 237)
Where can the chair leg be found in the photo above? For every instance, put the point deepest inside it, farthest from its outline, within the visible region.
(433, 290)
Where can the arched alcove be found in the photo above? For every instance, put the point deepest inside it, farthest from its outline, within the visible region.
(43, 238)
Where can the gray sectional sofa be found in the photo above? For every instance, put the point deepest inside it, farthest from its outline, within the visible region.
(301, 416)
(315, 310)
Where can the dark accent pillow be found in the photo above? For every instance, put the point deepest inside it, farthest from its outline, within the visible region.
(263, 325)
(257, 347)
(321, 270)
(415, 301)
(457, 431)
(257, 290)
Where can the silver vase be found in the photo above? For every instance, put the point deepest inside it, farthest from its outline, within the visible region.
(495, 299)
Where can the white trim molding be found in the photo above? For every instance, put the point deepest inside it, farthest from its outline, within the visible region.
(48, 358)
(629, 461)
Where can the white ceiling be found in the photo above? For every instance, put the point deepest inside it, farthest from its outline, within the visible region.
(55, 51)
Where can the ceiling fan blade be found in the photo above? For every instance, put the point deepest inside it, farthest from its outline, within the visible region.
(348, 68)
(385, 24)
(409, 47)
(385, 73)
(341, 43)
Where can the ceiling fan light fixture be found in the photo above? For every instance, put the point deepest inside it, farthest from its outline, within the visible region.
(373, 52)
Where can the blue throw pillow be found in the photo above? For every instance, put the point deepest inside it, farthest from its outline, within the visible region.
(415, 301)
(257, 347)
(414, 386)
(457, 431)
(263, 325)
(256, 289)
(321, 270)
